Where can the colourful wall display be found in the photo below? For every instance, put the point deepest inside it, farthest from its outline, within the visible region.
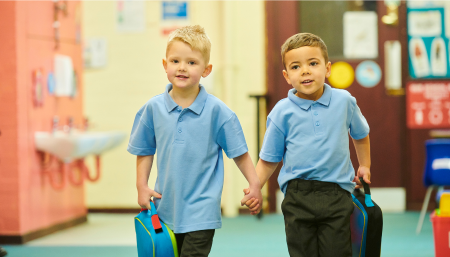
(428, 42)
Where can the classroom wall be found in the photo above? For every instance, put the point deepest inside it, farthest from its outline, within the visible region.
(28, 203)
(134, 73)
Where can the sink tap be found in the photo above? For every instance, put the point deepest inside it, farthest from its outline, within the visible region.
(68, 128)
(55, 124)
(86, 124)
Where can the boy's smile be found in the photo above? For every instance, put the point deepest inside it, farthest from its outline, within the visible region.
(185, 66)
(306, 71)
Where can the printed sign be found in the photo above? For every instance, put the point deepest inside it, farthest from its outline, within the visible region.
(175, 14)
(438, 57)
(360, 34)
(419, 57)
(428, 105)
(130, 16)
(424, 24)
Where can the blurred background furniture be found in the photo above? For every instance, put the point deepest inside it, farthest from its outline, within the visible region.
(437, 171)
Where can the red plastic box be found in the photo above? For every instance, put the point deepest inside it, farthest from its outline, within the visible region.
(441, 232)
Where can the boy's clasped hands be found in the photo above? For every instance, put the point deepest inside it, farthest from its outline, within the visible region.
(253, 204)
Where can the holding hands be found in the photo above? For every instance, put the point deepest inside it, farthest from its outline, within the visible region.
(245, 164)
(254, 204)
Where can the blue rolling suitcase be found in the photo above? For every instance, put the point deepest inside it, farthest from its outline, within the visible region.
(366, 224)
(153, 237)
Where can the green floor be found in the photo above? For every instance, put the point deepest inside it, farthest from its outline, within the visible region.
(246, 236)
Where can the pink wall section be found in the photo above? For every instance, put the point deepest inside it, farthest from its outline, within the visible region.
(9, 191)
(27, 200)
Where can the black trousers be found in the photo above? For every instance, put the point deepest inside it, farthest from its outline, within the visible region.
(195, 244)
(317, 219)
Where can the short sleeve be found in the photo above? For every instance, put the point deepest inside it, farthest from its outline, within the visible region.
(274, 143)
(359, 128)
(231, 138)
(142, 139)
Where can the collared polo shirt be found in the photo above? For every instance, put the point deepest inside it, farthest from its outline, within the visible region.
(190, 162)
(311, 137)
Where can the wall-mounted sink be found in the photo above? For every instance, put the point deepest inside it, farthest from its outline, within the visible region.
(77, 145)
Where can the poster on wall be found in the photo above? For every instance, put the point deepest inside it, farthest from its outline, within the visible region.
(175, 14)
(428, 105)
(130, 16)
(360, 34)
(428, 41)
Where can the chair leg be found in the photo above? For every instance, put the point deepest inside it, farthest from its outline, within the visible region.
(424, 209)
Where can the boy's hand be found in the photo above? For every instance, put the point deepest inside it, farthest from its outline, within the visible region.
(253, 204)
(363, 172)
(145, 196)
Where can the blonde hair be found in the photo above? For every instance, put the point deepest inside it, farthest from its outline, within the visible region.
(195, 36)
(304, 39)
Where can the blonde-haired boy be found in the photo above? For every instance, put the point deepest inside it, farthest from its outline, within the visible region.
(309, 130)
(190, 128)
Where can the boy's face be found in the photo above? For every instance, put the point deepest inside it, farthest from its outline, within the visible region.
(185, 66)
(306, 71)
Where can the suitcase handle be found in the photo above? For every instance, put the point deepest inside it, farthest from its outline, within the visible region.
(152, 209)
(154, 217)
(368, 197)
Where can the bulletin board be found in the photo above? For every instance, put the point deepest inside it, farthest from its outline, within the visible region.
(428, 43)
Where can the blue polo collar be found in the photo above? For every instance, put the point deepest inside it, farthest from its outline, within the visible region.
(196, 107)
(305, 104)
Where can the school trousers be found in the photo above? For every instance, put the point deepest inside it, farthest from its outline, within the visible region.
(317, 219)
(195, 243)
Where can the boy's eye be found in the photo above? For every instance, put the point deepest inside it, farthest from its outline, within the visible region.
(175, 61)
(191, 63)
(295, 67)
(313, 63)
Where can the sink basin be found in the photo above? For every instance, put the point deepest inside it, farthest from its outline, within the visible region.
(77, 145)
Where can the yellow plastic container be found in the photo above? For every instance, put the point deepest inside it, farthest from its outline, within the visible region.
(444, 205)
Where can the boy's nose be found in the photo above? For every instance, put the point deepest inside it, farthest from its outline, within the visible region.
(306, 72)
(182, 67)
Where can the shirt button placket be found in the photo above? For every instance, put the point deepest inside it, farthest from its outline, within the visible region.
(180, 119)
(317, 125)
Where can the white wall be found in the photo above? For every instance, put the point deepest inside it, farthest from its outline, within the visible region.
(134, 73)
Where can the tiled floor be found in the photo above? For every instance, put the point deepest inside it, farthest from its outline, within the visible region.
(113, 235)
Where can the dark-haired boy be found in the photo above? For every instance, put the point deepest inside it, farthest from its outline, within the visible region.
(309, 130)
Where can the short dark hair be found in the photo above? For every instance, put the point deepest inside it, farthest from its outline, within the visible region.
(303, 39)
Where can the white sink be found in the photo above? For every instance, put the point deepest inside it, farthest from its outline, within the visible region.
(76, 145)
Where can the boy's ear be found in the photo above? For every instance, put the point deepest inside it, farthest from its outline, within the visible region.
(164, 64)
(286, 76)
(207, 71)
(328, 67)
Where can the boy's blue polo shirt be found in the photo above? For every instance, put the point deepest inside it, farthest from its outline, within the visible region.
(190, 162)
(311, 137)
